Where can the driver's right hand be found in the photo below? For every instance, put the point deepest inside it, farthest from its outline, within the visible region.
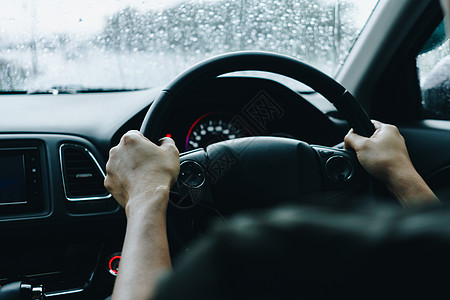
(384, 156)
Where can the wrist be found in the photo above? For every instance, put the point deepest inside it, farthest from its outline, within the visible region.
(149, 202)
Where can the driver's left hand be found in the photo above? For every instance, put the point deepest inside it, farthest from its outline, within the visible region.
(137, 169)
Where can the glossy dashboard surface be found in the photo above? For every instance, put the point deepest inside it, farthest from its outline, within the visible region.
(67, 244)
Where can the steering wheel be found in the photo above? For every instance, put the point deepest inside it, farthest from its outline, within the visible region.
(254, 172)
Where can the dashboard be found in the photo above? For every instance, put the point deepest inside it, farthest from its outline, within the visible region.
(52, 202)
(231, 107)
(61, 227)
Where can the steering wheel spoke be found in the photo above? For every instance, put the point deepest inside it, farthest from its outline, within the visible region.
(256, 172)
(341, 172)
(193, 185)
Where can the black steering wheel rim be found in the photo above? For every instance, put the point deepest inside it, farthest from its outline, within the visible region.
(209, 69)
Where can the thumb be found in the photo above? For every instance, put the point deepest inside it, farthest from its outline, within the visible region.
(354, 141)
(166, 141)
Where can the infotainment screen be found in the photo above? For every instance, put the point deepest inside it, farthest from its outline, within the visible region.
(12, 178)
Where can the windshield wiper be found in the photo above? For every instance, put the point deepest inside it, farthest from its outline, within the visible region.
(75, 90)
(65, 91)
(12, 92)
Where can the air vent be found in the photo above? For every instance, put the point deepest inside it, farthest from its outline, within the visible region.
(82, 176)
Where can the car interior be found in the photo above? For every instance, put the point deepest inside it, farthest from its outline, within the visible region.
(242, 135)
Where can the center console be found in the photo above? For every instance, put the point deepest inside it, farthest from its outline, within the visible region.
(59, 225)
(21, 177)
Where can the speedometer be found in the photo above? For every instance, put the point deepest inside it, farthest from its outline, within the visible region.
(214, 127)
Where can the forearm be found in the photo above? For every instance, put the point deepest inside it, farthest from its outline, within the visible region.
(145, 253)
(410, 189)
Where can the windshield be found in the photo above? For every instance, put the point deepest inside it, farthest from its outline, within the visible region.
(111, 44)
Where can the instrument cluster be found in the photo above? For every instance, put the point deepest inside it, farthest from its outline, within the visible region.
(214, 127)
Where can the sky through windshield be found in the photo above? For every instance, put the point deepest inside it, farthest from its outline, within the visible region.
(89, 16)
(139, 44)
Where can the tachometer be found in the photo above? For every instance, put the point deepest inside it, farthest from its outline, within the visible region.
(214, 127)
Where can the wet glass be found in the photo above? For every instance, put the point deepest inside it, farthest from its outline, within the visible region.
(433, 65)
(110, 44)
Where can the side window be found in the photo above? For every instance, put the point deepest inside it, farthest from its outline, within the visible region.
(433, 64)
